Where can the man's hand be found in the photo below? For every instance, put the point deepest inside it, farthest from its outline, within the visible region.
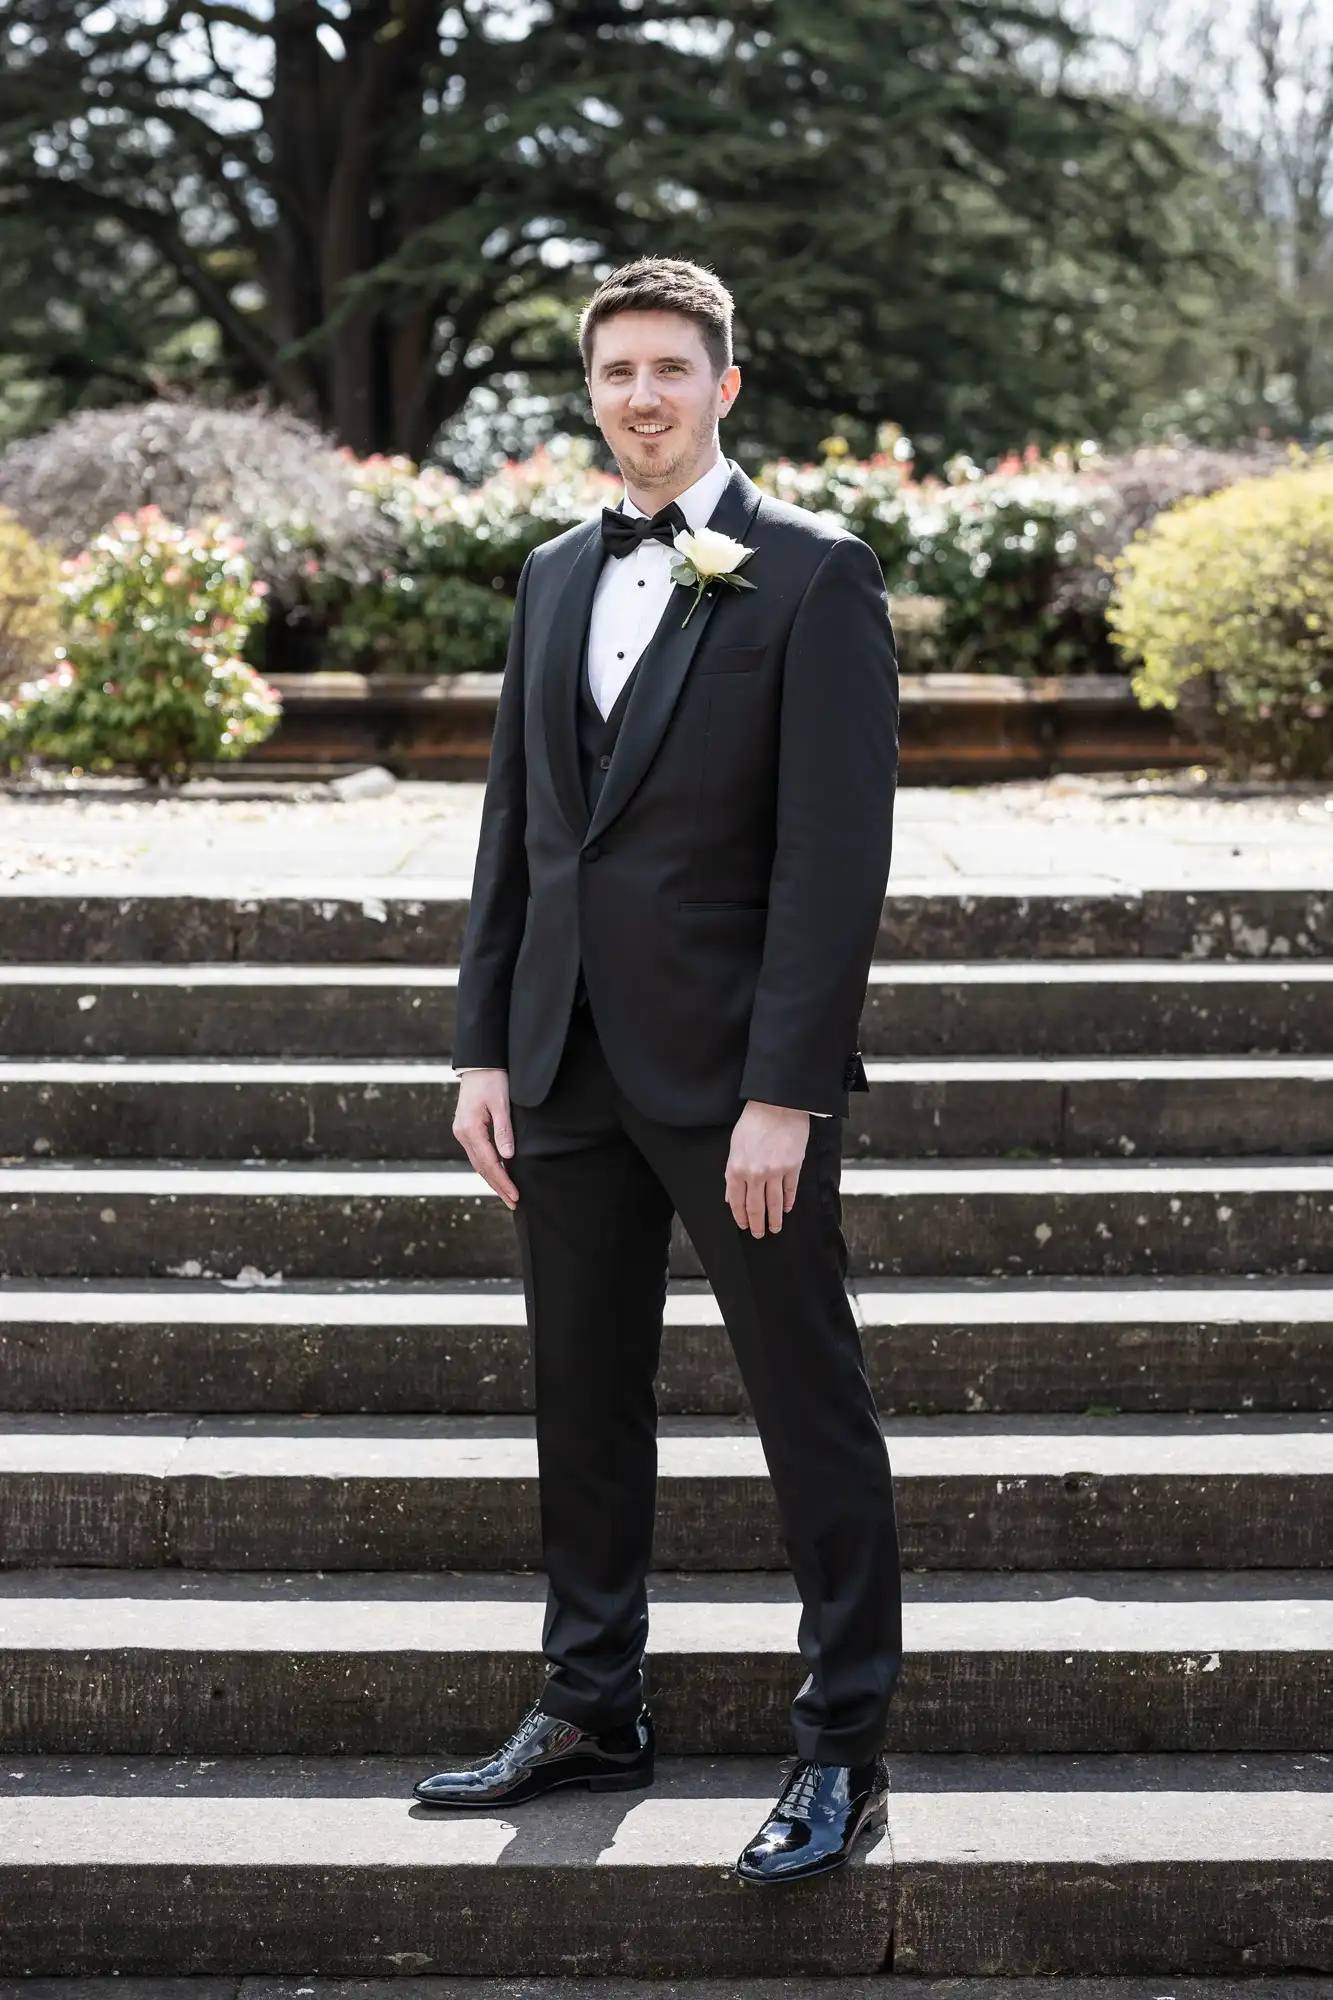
(767, 1148)
(483, 1129)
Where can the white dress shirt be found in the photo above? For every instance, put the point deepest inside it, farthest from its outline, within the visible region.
(632, 592)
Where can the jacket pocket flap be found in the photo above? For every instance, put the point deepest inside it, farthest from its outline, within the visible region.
(731, 659)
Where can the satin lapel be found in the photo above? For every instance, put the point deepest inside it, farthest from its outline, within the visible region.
(560, 674)
(661, 672)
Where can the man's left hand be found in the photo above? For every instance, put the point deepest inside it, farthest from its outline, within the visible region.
(767, 1148)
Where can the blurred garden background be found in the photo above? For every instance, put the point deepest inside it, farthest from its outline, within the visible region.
(1036, 297)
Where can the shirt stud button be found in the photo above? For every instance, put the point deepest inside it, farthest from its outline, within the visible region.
(620, 656)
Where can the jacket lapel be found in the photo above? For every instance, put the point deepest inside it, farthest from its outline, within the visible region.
(661, 672)
(561, 669)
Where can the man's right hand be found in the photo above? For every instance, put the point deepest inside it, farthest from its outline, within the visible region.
(483, 1128)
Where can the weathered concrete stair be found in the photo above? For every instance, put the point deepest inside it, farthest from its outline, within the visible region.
(461, 1492)
(1091, 1864)
(1113, 1745)
(906, 1986)
(978, 1345)
(207, 1664)
(928, 1009)
(432, 1221)
(959, 1107)
(984, 919)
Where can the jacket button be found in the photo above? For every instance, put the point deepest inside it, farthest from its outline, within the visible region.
(591, 853)
(604, 763)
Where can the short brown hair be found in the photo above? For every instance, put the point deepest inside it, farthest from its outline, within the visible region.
(663, 284)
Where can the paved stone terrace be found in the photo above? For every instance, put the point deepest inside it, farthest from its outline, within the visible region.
(1102, 832)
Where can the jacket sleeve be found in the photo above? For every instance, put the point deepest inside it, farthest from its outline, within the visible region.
(837, 773)
(498, 909)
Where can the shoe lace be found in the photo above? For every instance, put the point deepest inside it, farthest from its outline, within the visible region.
(526, 1728)
(797, 1795)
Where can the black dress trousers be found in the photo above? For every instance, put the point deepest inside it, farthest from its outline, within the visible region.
(598, 1186)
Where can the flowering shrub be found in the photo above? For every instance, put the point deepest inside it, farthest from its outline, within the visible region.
(445, 604)
(149, 672)
(1226, 605)
(276, 478)
(29, 621)
(984, 548)
(378, 565)
(1136, 487)
(988, 546)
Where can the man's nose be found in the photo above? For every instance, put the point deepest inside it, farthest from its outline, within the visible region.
(644, 393)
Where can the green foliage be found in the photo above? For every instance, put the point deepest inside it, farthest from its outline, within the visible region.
(971, 562)
(277, 480)
(385, 220)
(1226, 603)
(987, 547)
(422, 624)
(446, 602)
(149, 673)
(29, 621)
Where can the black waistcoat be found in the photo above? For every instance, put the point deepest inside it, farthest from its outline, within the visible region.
(597, 742)
(598, 733)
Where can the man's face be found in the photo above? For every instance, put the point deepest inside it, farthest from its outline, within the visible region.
(656, 398)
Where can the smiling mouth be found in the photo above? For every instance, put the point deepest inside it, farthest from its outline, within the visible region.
(650, 430)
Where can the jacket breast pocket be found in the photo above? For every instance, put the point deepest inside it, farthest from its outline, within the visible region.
(731, 659)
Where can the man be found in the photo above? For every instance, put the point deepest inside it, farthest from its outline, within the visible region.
(682, 864)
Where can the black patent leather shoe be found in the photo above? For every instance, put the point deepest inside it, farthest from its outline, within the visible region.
(822, 1812)
(544, 1752)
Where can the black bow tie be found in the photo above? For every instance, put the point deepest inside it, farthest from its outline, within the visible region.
(623, 533)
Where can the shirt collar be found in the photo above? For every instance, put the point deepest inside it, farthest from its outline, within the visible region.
(697, 502)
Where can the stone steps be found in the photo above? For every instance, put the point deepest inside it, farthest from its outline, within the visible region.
(978, 1345)
(928, 1009)
(240, 1011)
(1113, 1743)
(208, 1664)
(960, 1107)
(438, 1221)
(977, 1492)
(1077, 1986)
(1132, 1864)
(349, 923)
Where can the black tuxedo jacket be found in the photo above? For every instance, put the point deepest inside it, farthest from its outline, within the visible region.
(725, 894)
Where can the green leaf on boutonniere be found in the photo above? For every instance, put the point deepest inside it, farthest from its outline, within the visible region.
(685, 573)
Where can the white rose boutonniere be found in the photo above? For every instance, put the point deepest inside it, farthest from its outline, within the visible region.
(704, 557)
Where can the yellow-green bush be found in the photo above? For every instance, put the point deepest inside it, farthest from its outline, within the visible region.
(1225, 607)
(29, 602)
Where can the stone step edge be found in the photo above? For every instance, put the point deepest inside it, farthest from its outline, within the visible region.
(1056, 1861)
(232, 973)
(1142, 1799)
(435, 1179)
(466, 1450)
(921, 919)
(1194, 1617)
(1026, 1302)
(335, 1072)
(1074, 1986)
